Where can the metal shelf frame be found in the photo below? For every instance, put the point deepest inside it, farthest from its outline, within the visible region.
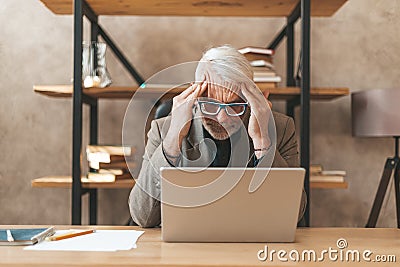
(81, 9)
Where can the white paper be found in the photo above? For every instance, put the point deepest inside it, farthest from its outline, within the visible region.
(101, 240)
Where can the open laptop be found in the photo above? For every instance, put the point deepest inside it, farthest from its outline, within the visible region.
(230, 204)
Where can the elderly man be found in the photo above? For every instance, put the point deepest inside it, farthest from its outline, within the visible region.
(225, 108)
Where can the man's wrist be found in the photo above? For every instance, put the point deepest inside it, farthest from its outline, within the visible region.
(262, 151)
(171, 147)
(172, 159)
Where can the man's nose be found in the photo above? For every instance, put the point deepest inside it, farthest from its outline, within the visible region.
(222, 116)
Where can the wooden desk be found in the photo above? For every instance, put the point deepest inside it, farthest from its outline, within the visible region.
(151, 251)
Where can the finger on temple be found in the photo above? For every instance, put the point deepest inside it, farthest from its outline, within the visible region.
(188, 91)
(203, 88)
(194, 92)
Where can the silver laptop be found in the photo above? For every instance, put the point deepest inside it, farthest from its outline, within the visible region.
(230, 204)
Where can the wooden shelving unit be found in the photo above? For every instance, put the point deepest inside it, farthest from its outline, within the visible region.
(92, 9)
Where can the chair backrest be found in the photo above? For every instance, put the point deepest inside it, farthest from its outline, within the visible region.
(163, 109)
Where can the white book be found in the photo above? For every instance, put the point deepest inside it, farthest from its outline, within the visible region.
(256, 50)
(98, 157)
(101, 177)
(274, 79)
(261, 63)
(112, 150)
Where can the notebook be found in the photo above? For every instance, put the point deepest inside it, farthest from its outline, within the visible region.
(27, 236)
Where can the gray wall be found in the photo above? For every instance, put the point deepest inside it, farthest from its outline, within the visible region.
(357, 48)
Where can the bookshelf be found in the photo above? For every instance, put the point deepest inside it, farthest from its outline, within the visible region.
(292, 10)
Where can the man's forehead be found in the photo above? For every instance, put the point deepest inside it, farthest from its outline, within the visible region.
(223, 94)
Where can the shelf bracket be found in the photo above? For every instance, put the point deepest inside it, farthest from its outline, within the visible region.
(88, 12)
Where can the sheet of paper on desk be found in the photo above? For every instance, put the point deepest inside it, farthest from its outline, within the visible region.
(101, 240)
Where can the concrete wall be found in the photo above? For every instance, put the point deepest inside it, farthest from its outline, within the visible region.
(357, 48)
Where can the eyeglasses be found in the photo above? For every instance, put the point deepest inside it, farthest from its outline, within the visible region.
(213, 108)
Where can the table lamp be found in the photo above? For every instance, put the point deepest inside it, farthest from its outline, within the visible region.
(376, 113)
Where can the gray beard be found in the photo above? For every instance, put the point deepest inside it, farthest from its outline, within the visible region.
(217, 131)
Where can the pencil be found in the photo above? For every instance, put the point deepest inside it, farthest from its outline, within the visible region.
(65, 236)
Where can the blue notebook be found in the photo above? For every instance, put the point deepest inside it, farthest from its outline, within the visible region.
(29, 236)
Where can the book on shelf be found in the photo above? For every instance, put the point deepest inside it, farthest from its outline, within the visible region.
(256, 50)
(102, 157)
(333, 173)
(326, 178)
(318, 174)
(108, 154)
(262, 74)
(109, 163)
(25, 236)
(316, 168)
(112, 165)
(266, 85)
(257, 53)
(107, 177)
(111, 150)
(261, 59)
(267, 79)
(262, 63)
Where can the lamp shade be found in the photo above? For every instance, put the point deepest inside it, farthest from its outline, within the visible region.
(376, 113)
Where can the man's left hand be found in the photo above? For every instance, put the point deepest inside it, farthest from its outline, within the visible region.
(259, 118)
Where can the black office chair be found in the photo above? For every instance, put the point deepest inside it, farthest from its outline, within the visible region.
(163, 109)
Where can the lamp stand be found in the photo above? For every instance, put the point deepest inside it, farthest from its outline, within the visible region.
(392, 164)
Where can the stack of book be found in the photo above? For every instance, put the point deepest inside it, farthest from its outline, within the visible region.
(317, 174)
(261, 60)
(109, 163)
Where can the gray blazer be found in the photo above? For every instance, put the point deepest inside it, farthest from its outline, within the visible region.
(146, 210)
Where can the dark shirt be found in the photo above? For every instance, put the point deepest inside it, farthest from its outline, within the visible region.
(223, 152)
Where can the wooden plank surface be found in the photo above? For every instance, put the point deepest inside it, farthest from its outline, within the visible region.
(66, 182)
(121, 92)
(151, 251)
(329, 185)
(233, 8)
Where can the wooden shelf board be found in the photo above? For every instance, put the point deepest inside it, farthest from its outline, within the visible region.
(329, 185)
(122, 92)
(66, 182)
(231, 8)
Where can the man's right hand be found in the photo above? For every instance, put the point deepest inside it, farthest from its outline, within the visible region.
(181, 118)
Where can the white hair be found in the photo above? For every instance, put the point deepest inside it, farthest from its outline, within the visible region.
(224, 63)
